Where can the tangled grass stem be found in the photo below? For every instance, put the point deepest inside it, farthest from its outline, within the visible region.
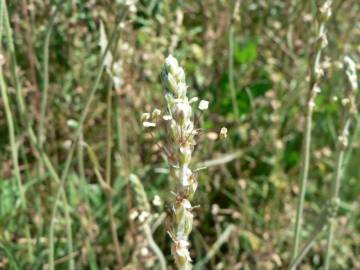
(349, 110)
(316, 73)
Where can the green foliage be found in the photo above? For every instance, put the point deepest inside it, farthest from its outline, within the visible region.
(246, 53)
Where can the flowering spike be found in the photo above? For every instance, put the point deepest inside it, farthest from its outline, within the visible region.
(182, 132)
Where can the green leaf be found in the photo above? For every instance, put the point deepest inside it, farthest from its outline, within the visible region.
(246, 53)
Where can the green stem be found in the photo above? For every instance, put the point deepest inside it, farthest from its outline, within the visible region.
(71, 265)
(315, 75)
(11, 48)
(231, 71)
(15, 159)
(109, 142)
(13, 144)
(317, 231)
(336, 186)
(44, 98)
(92, 95)
(231, 60)
(27, 124)
(215, 247)
(77, 135)
(303, 179)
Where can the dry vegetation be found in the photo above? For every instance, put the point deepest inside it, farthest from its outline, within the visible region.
(83, 185)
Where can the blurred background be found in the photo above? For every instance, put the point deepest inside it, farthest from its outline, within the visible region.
(250, 59)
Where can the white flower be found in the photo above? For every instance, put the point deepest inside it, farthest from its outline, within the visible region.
(311, 104)
(182, 111)
(148, 124)
(167, 117)
(144, 251)
(145, 116)
(133, 215)
(157, 201)
(194, 99)
(317, 89)
(223, 133)
(143, 216)
(203, 105)
(156, 113)
(186, 204)
(351, 72)
(181, 249)
(118, 82)
(185, 174)
(345, 101)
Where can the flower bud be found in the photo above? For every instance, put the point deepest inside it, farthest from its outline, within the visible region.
(192, 188)
(171, 83)
(223, 133)
(156, 114)
(185, 174)
(181, 207)
(175, 131)
(145, 116)
(171, 64)
(180, 75)
(185, 223)
(181, 90)
(181, 254)
(169, 99)
(181, 112)
(185, 154)
(350, 66)
(325, 11)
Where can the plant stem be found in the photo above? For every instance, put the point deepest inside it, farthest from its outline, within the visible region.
(318, 229)
(316, 73)
(27, 124)
(336, 186)
(13, 144)
(92, 95)
(15, 159)
(109, 144)
(154, 246)
(303, 177)
(234, 18)
(44, 98)
(215, 247)
(79, 128)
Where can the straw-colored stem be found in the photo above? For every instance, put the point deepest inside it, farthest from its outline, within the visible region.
(315, 76)
(155, 248)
